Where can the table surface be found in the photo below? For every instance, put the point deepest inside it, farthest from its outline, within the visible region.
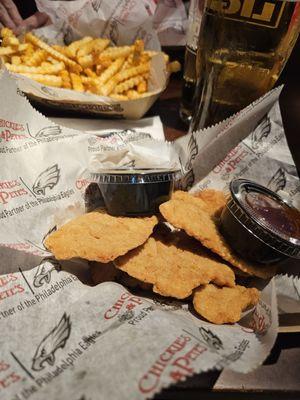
(280, 374)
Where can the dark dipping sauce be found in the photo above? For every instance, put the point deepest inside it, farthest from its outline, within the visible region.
(259, 225)
(135, 193)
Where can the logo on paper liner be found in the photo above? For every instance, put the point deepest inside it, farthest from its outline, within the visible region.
(211, 339)
(43, 274)
(262, 131)
(46, 180)
(56, 339)
(278, 181)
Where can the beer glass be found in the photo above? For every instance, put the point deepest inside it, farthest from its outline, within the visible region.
(242, 49)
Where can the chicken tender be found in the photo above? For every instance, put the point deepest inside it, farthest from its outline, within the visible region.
(100, 237)
(224, 305)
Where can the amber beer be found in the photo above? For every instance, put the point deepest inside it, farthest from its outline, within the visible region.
(189, 75)
(242, 49)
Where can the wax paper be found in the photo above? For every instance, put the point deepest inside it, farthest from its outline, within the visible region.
(61, 337)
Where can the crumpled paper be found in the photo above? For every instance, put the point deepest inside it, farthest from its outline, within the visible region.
(67, 339)
(121, 21)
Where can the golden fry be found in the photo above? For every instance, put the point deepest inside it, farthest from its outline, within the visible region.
(10, 41)
(5, 51)
(101, 45)
(97, 45)
(86, 61)
(111, 70)
(128, 84)
(132, 94)
(6, 32)
(54, 53)
(90, 73)
(53, 69)
(138, 49)
(66, 81)
(16, 60)
(76, 82)
(142, 86)
(73, 47)
(113, 53)
(22, 47)
(133, 71)
(37, 58)
(49, 80)
(128, 62)
(174, 66)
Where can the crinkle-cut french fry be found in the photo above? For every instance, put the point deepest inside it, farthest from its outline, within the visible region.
(91, 87)
(16, 60)
(128, 62)
(85, 49)
(10, 41)
(46, 64)
(54, 53)
(49, 80)
(86, 61)
(118, 96)
(105, 90)
(105, 64)
(142, 86)
(74, 46)
(110, 85)
(5, 59)
(29, 51)
(22, 47)
(37, 58)
(152, 53)
(138, 49)
(53, 69)
(144, 58)
(132, 94)
(113, 53)
(99, 69)
(66, 81)
(133, 71)
(166, 57)
(6, 32)
(111, 70)
(52, 60)
(101, 45)
(89, 80)
(60, 49)
(5, 51)
(97, 45)
(174, 66)
(128, 84)
(90, 73)
(76, 82)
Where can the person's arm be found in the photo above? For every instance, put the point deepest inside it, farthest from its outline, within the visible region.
(11, 18)
(35, 21)
(9, 15)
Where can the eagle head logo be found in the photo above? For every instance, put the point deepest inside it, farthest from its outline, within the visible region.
(278, 181)
(43, 274)
(261, 132)
(212, 340)
(47, 179)
(56, 339)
